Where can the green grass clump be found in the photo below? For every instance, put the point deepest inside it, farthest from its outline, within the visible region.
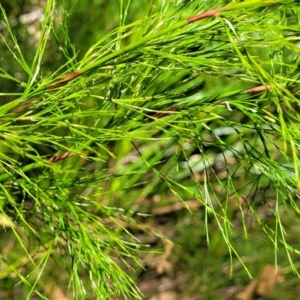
(163, 105)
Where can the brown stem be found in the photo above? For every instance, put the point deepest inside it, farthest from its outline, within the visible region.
(167, 112)
(65, 79)
(261, 88)
(205, 15)
(60, 157)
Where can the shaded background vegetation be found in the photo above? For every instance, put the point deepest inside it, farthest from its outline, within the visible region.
(181, 263)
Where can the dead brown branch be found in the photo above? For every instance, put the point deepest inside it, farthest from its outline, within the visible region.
(65, 79)
(261, 88)
(165, 113)
(205, 15)
(60, 157)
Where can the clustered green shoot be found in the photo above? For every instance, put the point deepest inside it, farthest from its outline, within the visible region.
(202, 108)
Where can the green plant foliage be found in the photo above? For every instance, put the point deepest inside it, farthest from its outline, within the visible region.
(158, 104)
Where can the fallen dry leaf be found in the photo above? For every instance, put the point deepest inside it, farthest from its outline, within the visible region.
(262, 285)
